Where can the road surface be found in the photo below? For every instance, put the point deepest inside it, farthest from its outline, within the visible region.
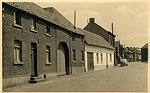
(132, 78)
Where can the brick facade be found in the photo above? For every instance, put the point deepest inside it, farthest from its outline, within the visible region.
(14, 74)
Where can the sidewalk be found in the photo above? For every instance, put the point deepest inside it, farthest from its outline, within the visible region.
(28, 85)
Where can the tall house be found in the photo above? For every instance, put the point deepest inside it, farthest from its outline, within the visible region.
(97, 29)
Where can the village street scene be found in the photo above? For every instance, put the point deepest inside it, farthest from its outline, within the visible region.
(74, 47)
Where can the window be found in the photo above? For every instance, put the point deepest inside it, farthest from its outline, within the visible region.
(101, 58)
(48, 30)
(73, 37)
(48, 55)
(33, 24)
(17, 18)
(97, 58)
(110, 57)
(82, 39)
(17, 52)
(82, 56)
(74, 55)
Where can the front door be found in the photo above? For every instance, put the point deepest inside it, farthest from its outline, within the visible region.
(33, 59)
(90, 61)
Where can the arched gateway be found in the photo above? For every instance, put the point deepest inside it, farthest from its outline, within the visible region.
(63, 59)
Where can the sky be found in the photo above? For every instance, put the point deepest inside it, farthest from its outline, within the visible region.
(130, 18)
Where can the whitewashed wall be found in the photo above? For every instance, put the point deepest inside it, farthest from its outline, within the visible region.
(99, 65)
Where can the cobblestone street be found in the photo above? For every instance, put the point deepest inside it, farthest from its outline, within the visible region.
(132, 78)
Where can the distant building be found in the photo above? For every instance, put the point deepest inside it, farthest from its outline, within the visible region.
(99, 54)
(129, 54)
(133, 54)
(144, 53)
(97, 29)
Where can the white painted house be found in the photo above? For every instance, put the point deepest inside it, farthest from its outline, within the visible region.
(99, 54)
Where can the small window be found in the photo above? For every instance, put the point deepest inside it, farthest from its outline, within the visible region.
(82, 39)
(17, 52)
(97, 58)
(33, 24)
(110, 58)
(48, 30)
(82, 56)
(74, 55)
(73, 37)
(101, 58)
(17, 18)
(48, 55)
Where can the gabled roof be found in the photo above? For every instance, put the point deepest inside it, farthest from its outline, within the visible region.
(61, 20)
(128, 50)
(98, 28)
(96, 40)
(145, 46)
(53, 17)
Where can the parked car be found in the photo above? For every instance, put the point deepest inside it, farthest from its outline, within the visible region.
(123, 62)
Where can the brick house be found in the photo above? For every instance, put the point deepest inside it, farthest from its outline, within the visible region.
(37, 43)
(97, 29)
(99, 54)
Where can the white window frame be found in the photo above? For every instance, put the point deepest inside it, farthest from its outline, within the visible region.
(82, 39)
(74, 55)
(48, 29)
(48, 55)
(33, 25)
(17, 52)
(15, 22)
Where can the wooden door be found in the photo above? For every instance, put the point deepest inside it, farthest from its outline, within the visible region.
(61, 60)
(33, 60)
(90, 61)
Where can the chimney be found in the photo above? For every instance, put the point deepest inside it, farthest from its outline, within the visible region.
(112, 27)
(92, 20)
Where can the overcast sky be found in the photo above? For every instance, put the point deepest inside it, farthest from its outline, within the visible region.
(130, 19)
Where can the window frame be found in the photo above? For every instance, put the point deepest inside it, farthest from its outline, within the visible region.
(33, 25)
(82, 39)
(73, 37)
(82, 56)
(74, 55)
(97, 58)
(110, 57)
(16, 24)
(17, 18)
(101, 58)
(48, 55)
(48, 29)
(17, 47)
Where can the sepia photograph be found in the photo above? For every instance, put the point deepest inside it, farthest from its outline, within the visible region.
(74, 46)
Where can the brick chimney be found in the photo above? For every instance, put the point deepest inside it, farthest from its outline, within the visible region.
(92, 20)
